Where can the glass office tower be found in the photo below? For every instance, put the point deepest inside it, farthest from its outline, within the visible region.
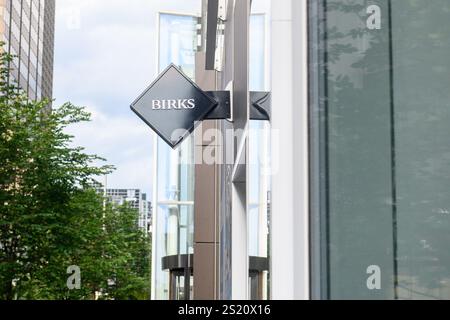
(27, 31)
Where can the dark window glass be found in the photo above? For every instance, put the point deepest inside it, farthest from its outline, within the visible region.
(380, 99)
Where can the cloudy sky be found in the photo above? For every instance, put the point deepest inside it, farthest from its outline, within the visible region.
(105, 56)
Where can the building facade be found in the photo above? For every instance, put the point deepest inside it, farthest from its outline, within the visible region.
(135, 199)
(360, 204)
(356, 204)
(27, 30)
(191, 223)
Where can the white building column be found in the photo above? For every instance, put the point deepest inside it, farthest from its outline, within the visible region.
(290, 207)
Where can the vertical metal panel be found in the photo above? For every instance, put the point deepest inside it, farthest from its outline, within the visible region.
(232, 198)
(290, 203)
(205, 206)
(241, 111)
(211, 33)
(318, 153)
(241, 97)
(204, 271)
(301, 151)
(282, 211)
(206, 256)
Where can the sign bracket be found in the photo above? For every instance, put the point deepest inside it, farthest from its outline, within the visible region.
(260, 108)
(174, 103)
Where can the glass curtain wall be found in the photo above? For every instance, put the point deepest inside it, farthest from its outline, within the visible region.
(259, 150)
(380, 73)
(174, 206)
(26, 28)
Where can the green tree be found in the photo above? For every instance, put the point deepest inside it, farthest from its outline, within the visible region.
(50, 218)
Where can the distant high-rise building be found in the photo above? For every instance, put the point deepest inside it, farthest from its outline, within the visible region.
(27, 29)
(134, 198)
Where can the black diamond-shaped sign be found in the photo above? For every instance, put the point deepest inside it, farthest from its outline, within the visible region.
(172, 104)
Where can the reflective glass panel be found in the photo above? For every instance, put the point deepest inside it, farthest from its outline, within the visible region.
(380, 75)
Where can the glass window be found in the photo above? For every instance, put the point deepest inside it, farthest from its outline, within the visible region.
(32, 82)
(6, 17)
(380, 149)
(174, 208)
(259, 151)
(16, 5)
(25, 21)
(15, 30)
(178, 42)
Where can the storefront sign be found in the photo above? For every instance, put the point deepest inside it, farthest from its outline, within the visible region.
(174, 104)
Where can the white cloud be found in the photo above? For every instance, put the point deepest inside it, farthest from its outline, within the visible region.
(105, 55)
(126, 143)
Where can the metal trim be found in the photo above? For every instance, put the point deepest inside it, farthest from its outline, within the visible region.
(223, 108)
(185, 261)
(261, 106)
(258, 264)
(211, 34)
(177, 262)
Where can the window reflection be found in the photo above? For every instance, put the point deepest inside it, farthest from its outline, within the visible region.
(174, 232)
(175, 209)
(259, 179)
(381, 164)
